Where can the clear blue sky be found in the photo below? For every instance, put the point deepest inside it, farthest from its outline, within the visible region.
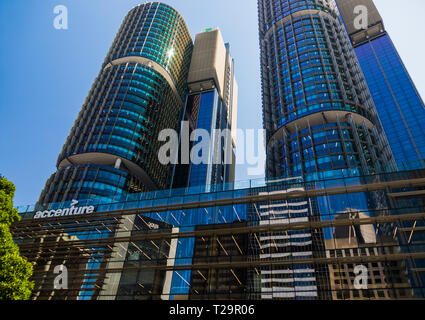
(45, 74)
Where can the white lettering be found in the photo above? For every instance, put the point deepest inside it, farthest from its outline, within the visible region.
(90, 209)
(361, 21)
(168, 153)
(61, 281)
(65, 212)
(361, 281)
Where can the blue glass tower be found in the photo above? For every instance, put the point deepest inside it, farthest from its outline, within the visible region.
(112, 150)
(210, 113)
(210, 116)
(399, 105)
(321, 124)
(317, 110)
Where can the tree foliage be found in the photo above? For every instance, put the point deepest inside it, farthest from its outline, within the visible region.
(15, 270)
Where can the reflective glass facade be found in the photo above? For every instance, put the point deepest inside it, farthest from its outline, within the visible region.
(317, 110)
(208, 113)
(399, 105)
(274, 239)
(204, 111)
(113, 147)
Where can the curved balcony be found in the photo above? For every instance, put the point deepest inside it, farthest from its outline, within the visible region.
(86, 181)
(276, 13)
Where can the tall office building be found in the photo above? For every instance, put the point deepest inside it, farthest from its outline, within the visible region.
(152, 79)
(399, 105)
(112, 150)
(317, 109)
(211, 106)
(210, 115)
(321, 123)
(113, 147)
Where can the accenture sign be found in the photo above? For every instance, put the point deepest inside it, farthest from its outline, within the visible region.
(72, 211)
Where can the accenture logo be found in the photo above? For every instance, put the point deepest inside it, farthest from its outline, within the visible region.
(72, 211)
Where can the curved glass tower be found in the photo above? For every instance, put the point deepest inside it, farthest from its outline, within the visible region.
(112, 149)
(317, 109)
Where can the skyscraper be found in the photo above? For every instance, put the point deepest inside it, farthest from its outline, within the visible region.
(112, 149)
(321, 124)
(317, 110)
(211, 106)
(152, 79)
(399, 105)
(210, 115)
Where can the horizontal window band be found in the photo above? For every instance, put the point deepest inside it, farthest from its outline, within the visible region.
(151, 64)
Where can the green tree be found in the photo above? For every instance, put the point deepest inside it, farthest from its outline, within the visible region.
(15, 270)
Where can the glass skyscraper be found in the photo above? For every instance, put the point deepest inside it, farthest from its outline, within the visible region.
(211, 107)
(112, 150)
(399, 105)
(152, 79)
(321, 125)
(210, 115)
(317, 109)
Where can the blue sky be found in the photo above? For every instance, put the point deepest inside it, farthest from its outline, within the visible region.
(45, 74)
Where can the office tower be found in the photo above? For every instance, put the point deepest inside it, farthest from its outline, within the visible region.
(321, 124)
(112, 150)
(208, 132)
(398, 103)
(317, 110)
(113, 147)
(211, 106)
